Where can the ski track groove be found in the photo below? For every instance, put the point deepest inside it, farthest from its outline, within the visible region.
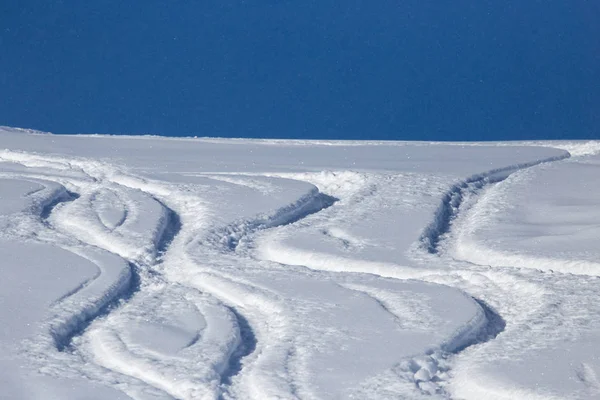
(140, 273)
(65, 329)
(231, 236)
(452, 199)
(62, 331)
(246, 347)
(441, 226)
(234, 233)
(128, 288)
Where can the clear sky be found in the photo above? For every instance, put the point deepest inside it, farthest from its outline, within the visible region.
(355, 69)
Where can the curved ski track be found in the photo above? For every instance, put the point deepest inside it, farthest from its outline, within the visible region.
(148, 275)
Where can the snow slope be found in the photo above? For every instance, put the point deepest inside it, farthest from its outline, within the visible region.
(154, 268)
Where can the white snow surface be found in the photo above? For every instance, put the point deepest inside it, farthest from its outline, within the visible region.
(156, 268)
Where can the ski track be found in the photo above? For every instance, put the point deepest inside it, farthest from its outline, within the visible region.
(452, 200)
(438, 231)
(66, 219)
(118, 280)
(91, 332)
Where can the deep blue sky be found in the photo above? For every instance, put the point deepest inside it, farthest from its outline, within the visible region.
(355, 69)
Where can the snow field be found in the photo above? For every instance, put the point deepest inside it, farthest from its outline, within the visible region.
(208, 269)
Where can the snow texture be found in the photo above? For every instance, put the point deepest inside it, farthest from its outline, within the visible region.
(152, 268)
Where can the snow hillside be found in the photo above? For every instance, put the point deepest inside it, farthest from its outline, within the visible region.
(153, 268)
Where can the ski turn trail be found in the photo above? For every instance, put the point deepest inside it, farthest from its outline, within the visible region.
(151, 268)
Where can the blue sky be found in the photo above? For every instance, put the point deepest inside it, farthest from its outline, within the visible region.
(354, 69)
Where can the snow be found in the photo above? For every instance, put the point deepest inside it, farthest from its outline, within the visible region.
(544, 219)
(155, 268)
